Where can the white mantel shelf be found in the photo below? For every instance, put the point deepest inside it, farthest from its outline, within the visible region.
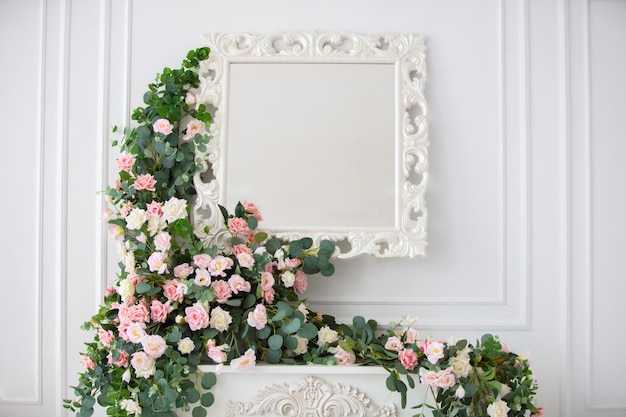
(307, 391)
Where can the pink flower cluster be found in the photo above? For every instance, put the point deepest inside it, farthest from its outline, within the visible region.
(438, 379)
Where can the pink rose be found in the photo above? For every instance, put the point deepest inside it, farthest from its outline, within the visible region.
(268, 295)
(183, 270)
(155, 208)
(125, 162)
(157, 262)
(408, 359)
(267, 281)
(411, 335)
(87, 362)
(252, 210)
(237, 284)
(194, 127)
(162, 241)
(394, 343)
(343, 357)
(539, 414)
(215, 353)
(190, 99)
(139, 313)
(202, 260)
(125, 209)
(106, 337)
(197, 317)
(221, 290)
(135, 332)
(247, 361)
(445, 378)
(145, 182)
(258, 317)
(122, 359)
(433, 351)
(301, 283)
(154, 346)
(162, 126)
(203, 278)
(246, 260)
(159, 311)
(219, 264)
(428, 377)
(174, 290)
(238, 226)
(292, 263)
(241, 248)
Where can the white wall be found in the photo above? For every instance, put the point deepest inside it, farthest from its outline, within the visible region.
(525, 195)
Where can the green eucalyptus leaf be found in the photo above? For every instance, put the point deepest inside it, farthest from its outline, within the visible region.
(275, 341)
(207, 399)
(143, 287)
(273, 355)
(208, 380)
(291, 326)
(199, 412)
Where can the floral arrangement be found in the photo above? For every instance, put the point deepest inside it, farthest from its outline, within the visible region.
(177, 303)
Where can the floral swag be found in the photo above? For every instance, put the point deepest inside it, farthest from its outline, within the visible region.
(177, 303)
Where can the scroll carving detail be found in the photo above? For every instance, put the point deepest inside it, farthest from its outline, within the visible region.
(310, 397)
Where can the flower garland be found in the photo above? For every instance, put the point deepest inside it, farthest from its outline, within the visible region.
(177, 303)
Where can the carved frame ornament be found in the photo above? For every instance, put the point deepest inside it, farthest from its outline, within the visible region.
(407, 53)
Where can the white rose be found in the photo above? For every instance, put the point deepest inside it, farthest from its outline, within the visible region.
(143, 364)
(498, 409)
(174, 209)
(155, 224)
(130, 265)
(131, 407)
(136, 218)
(121, 250)
(302, 309)
(288, 279)
(126, 289)
(303, 345)
(220, 319)
(460, 366)
(186, 346)
(326, 335)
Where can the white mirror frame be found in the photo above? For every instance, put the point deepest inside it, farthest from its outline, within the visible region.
(407, 54)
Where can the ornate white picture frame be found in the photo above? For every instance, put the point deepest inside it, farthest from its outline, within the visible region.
(330, 129)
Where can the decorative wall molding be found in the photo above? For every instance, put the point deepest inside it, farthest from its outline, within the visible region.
(31, 273)
(310, 397)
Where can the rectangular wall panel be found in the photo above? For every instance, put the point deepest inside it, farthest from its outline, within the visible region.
(20, 246)
(607, 31)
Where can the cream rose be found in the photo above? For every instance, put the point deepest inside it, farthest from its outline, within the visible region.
(326, 335)
(498, 409)
(220, 319)
(131, 407)
(143, 364)
(185, 345)
(126, 289)
(155, 224)
(174, 209)
(460, 366)
(136, 218)
(154, 345)
(288, 278)
(303, 345)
